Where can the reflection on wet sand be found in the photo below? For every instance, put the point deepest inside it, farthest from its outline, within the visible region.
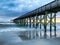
(11, 34)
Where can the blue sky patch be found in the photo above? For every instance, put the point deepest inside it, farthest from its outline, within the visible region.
(14, 8)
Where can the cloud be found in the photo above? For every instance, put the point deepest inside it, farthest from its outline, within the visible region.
(19, 5)
(3, 18)
(14, 8)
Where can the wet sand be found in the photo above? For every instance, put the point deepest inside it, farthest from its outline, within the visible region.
(10, 36)
(54, 41)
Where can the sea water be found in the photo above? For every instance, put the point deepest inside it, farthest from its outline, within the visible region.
(9, 32)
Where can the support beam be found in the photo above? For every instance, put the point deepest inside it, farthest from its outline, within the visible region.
(36, 21)
(21, 22)
(40, 21)
(45, 24)
(51, 25)
(33, 22)
(27, 22)
(24, 22)
(40, 25)
(30, 22)
(55, 24)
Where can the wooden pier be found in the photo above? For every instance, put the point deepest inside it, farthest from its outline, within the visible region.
(43, 15)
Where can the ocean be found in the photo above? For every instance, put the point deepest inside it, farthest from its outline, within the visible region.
(9, 32)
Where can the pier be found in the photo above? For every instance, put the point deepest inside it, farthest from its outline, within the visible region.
(43, 15)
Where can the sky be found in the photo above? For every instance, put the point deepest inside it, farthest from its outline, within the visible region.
(10, 9)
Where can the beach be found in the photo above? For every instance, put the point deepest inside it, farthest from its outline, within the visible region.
(9, 35)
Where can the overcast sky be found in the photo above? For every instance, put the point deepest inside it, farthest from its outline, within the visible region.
(10, 9)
